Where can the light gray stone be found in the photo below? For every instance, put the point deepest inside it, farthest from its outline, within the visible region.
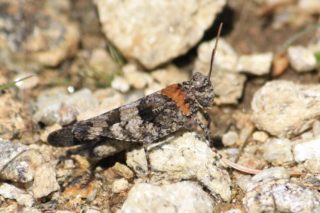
(312, 165)
(256, 64)
(54, 106)
(243, 181)
(260, 136)
(178, 197)
(183, 158)
(26, 83)
(153, 32)
(136, 78)
(278, 151)
(228, 86)
(169, 75)
(301, 59)
(18, 162)
(121, 84)
(136, 159)
(45, 181)
(273, 173)
(281, 196)
(12, 192)
(120, 185)
(284, 109)
(307, 150)
(29, 43)
(22, 168)
(9, 151)
(230, 138)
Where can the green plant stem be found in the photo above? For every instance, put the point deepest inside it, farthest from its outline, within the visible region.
(13, 83)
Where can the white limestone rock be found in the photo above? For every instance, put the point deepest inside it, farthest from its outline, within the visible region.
(301, 59)
(178, 197)
(284, 109)
(154, 32)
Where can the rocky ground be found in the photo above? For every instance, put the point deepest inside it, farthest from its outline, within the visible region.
(88, 57)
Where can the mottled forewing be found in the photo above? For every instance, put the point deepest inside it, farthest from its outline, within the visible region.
(145, 120)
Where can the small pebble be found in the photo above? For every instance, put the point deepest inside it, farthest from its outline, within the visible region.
(277, 151)
(12, 192)
(312, 165)
(256, 64)
(243, 181)
(281, 196)
(120, 185)
(44, 181)
(101, 63)
(307, 150)
(273, 173)
(228, 86)
(170, 75)
(260, 136)
(122, 170)
(27, 83)
(279, 65)
(136, 78)
(301, 59)
(230, 138)
(178, 197)
(136, 159)
(120, 84)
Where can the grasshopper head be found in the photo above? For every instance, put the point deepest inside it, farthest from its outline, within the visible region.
(202, 89)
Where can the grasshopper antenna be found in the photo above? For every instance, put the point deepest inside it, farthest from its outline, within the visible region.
(214, 49)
